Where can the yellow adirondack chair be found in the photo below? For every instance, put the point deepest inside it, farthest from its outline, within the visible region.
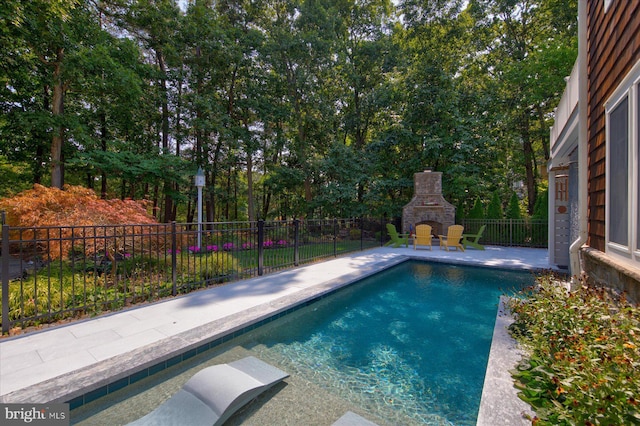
(396, 239)
(423, 236)
(452, 239)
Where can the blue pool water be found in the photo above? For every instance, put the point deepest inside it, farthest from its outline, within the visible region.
(409, 345)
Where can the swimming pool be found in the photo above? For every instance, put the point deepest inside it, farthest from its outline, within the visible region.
(408, 345)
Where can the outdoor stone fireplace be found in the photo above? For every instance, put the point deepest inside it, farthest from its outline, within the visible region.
(428, 206)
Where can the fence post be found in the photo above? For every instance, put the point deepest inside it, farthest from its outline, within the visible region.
(361, 233)
(260, 247)
(296, 242)
(510, 232)
(3, 217)
(335, 237)
(174, 259)
(4, 268)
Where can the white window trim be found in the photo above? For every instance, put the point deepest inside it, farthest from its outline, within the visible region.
(629, 88)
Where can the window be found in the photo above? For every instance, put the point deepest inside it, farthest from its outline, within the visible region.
(623, 169)
(619, 174)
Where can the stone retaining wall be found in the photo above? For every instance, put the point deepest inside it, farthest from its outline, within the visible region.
(602, 270)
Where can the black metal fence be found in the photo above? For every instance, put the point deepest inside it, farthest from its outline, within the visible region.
(52, 273)
(509, 232)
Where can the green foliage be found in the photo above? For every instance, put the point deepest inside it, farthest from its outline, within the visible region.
(583, 362)
(15, 177)
(327, 110)
(477, 211)
(343, 172)
(513, 209)
(213, 267)
(541, 209)
(494, 209)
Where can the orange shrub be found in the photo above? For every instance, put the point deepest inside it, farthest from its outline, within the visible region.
(60, 219)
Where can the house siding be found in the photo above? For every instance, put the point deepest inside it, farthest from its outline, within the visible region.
(613, 44)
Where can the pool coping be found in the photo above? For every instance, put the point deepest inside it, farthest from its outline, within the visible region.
(98, 379)
(500, 404)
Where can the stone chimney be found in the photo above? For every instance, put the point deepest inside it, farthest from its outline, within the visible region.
(428, 205)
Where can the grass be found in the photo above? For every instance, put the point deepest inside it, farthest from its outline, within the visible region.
(583, 363)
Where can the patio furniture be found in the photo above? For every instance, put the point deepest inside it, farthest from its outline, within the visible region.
(423, 236)
(396, 239)
(213, 394)
(452, 239)
(466, 239)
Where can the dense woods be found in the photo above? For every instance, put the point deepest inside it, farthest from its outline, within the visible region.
(293, 108)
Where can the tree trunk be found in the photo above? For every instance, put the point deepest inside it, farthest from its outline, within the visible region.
(529, 161)
(168, 201)
(251, 209)
(155, 201)
(57, 109)
(544, 133)
(103, 139)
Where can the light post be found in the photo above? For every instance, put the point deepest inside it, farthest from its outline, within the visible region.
(199, 181)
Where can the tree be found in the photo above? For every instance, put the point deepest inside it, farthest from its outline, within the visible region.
(494, 209)
(541, 209)
(286, 105)
(477, 212)
(46, 32)
(513, 209)
(532, 47)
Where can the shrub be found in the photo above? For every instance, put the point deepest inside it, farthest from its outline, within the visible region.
(494, 209)
(76, 206)
(355, 234)
(583, 363)
(541, 208)
(477, 211)
(513, 210)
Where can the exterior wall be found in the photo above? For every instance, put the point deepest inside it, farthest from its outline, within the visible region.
(613, 48)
